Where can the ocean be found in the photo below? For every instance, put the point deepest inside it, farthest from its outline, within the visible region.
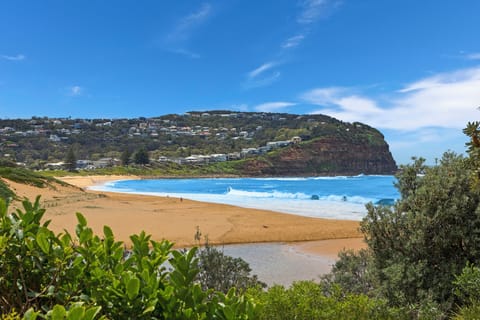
(340, 197)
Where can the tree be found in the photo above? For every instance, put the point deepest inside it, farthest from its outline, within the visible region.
(220, 272)
(125, 158)
(71, 160)
(427, 238)
(353, 273)
(141, 157)
(417, 247)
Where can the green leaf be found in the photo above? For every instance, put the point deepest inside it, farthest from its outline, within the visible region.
(3, 208)
(66, 239)
(229, 313)
(91, 313)
(42, 241)
(3, 243)
(107, 231)
(148, 310)
(58, 313)
(81, 219)
(133, 287)
(76, 313)
(30, 314)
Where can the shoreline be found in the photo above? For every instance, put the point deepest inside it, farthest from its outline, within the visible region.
(176, 220)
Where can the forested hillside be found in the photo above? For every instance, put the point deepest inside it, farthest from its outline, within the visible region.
(308, 144)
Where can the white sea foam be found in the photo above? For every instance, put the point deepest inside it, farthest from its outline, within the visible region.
(260, 194)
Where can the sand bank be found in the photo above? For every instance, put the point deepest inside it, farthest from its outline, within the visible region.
(177, 219)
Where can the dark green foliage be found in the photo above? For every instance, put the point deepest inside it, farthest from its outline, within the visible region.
(353, 272)
(141, 157)
(221, 272)
(308, 300)
(473, 148)
(26, 176)
(418, 249)
(87, 276)
(70, 160)
(469, 312)
(467, 289)
(5, 192)
(467, 285)
(7, 163)
(428, 236)
(125, 158)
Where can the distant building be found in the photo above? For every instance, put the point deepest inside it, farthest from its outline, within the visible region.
(296, 140)
(55, 138)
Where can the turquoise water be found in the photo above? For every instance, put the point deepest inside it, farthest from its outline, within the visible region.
(340, 197)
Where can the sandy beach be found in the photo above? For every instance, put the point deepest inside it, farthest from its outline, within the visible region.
(177, 219)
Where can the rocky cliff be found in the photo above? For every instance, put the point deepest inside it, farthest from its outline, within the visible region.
(345, 153)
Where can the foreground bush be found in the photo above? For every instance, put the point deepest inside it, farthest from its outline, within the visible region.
(89, 277)
(309, 300)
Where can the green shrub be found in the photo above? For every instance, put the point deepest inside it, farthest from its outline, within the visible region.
(308, 300)
(46, 274)
(221, 272)
(353, 272)
(5, 192)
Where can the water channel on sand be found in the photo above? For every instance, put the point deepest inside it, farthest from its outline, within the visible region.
(284, 263)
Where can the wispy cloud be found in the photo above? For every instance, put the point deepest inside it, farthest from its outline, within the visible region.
(75, 91)
(186, 53)
(447, 100)
(263, 81)
(293, 42)
(262, 76)
(186, 25)
(312, 10)
(18, 57)
(261, 69)
(273, 106)
(177, 40)
(473, 56)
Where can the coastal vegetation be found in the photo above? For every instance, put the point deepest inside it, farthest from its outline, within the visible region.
(422, 262)
(195, 143)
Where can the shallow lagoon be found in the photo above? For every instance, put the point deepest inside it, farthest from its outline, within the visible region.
(280, 263)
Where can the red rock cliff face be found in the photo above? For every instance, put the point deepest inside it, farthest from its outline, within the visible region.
(331, 155)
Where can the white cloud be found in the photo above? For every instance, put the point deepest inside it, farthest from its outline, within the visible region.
(447, 100)
(261, 69)
(273, 106)
(75, 91)
(292, 42)
(187, 24)
(312, 10)
(18, 57)
(262, 76)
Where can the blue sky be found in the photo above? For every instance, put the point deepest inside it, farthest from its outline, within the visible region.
(409, 68)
